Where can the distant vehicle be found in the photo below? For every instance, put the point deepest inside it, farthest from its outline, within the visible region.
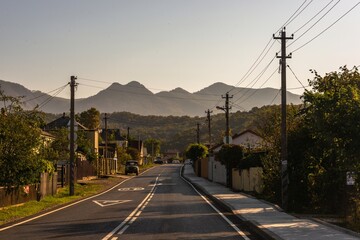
(176, 161)
(132, 166)
(158, 161)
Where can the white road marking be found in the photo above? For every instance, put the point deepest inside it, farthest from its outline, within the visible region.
(132, 217)
(241, 233)
(131, 189)
(105, 203)
(72, 204)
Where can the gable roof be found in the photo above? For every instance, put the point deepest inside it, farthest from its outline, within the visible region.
(114, 133)
(62, 122)
(246, 131)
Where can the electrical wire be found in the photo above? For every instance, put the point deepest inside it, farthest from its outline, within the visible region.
(299, 12)
(296, 76)
(313, 24)
(275, 97)
(290, 18)
(326, 28)
(257, 61)
(257, 89)
(51, 97)
(45, 94)
(313, 17)
(252, 68)
(253, 82)
(139, 87)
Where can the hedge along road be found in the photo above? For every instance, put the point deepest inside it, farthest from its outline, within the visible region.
(157, 204)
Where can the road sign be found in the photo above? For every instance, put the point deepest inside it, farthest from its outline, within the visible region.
(350, 178)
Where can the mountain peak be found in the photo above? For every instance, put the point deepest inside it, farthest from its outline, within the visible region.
(135, 84)
(179, 90)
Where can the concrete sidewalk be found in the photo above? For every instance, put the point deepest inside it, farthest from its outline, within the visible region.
(267, 218)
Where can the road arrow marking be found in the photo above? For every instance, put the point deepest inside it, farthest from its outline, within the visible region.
(106, 203)
(131, 189)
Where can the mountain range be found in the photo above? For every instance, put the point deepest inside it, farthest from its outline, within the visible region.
(136, 98)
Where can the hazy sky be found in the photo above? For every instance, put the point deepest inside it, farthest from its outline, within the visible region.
(165, 44)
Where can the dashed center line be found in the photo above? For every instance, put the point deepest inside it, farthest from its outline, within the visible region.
(121, 228)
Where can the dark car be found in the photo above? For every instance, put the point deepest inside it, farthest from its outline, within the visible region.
(131, 166)
(158, 161)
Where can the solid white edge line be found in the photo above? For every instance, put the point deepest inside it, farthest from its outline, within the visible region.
(110, 234)
(69, 205)
(241, 233)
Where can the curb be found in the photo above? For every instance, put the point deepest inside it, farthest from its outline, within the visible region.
(338, 228)
(251, 225)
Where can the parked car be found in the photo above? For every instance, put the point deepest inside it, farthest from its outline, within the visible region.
(132, 166)
(158, 161)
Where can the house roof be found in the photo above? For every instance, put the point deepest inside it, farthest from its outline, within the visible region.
(112, 134)
(62, 122)
(246, 131)
(134, 143)
(236, 136)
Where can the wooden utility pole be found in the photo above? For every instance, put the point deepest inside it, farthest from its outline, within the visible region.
(106, 145)
(284, 163)
(208, 119)
(198, 133)
(226, 109)
(72, 136)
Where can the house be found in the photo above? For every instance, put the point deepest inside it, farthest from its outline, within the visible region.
(139, 145)
(248, 139)
(84, 167)
(248, 180)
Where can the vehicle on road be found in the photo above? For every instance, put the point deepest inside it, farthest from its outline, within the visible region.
(132, 166)
(158, 161)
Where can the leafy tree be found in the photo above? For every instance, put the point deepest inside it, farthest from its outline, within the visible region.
(21, 161)
(89, 118)
(153, 144)
(122, 155)
(134, 153)
(196, 151)
(332, 113)
(230, 154)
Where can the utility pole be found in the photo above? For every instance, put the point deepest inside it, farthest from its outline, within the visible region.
(227, 136)
(284, 163)
(106, 145)
(72, 136)
(198, 133)
(208, 119)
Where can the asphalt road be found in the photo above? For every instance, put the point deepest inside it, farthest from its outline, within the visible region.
(157, 204)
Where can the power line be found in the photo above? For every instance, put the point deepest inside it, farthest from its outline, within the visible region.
(296, 76)
(250, 72)
(326, 28)
(253, 82)
(51, 97)
(313, 24)
(140, 87)
(299, 13)
(313, 17)
(290, 18)
(275, 97)
(258, 88)
(45, 94)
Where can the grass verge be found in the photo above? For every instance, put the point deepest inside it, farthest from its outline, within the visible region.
(12, 213)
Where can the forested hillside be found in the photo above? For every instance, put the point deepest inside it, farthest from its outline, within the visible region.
(177, 132)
